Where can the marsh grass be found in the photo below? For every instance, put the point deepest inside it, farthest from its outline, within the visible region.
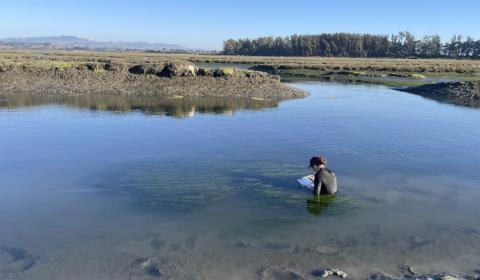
(283, 63)
(417, 76)
(402, 72)
(60, 65)
(228, 70)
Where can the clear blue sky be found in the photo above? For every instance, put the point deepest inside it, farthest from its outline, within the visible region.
(207, 23)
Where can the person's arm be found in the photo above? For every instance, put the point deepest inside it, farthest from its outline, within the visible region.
(317, 183)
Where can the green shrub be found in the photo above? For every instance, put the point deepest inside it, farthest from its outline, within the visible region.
(228, 70)
(62, 65)
(222, 72)
(204, 72)
(417, 76)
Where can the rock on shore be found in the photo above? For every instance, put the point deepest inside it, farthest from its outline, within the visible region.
(460, 93)
(168, 79)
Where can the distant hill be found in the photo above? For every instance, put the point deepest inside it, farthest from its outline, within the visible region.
(72, 42)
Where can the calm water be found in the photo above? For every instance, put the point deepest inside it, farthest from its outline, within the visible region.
(112, 188)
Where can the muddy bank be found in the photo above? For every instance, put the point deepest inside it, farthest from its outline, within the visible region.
(169, 79)
(459, 93)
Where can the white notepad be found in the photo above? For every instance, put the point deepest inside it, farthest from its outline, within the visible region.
(306, 182)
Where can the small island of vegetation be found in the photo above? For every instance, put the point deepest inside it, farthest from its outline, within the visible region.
(131, 73)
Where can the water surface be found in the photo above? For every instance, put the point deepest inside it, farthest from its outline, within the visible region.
(118, 188)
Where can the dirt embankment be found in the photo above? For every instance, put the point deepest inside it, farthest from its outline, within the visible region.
(465, 93)
(167, 79)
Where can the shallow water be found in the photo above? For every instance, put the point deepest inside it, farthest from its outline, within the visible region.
(97, 190)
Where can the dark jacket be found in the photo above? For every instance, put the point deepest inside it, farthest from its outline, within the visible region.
(325, 182)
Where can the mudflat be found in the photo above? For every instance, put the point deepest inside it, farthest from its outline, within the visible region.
(133, 75)
(465, 93)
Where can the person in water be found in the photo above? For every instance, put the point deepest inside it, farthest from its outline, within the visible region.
(324, 180)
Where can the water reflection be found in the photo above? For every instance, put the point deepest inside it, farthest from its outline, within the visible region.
(177, 106)
(318, 203)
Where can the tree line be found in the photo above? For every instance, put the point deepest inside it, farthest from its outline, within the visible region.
(400, 45)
